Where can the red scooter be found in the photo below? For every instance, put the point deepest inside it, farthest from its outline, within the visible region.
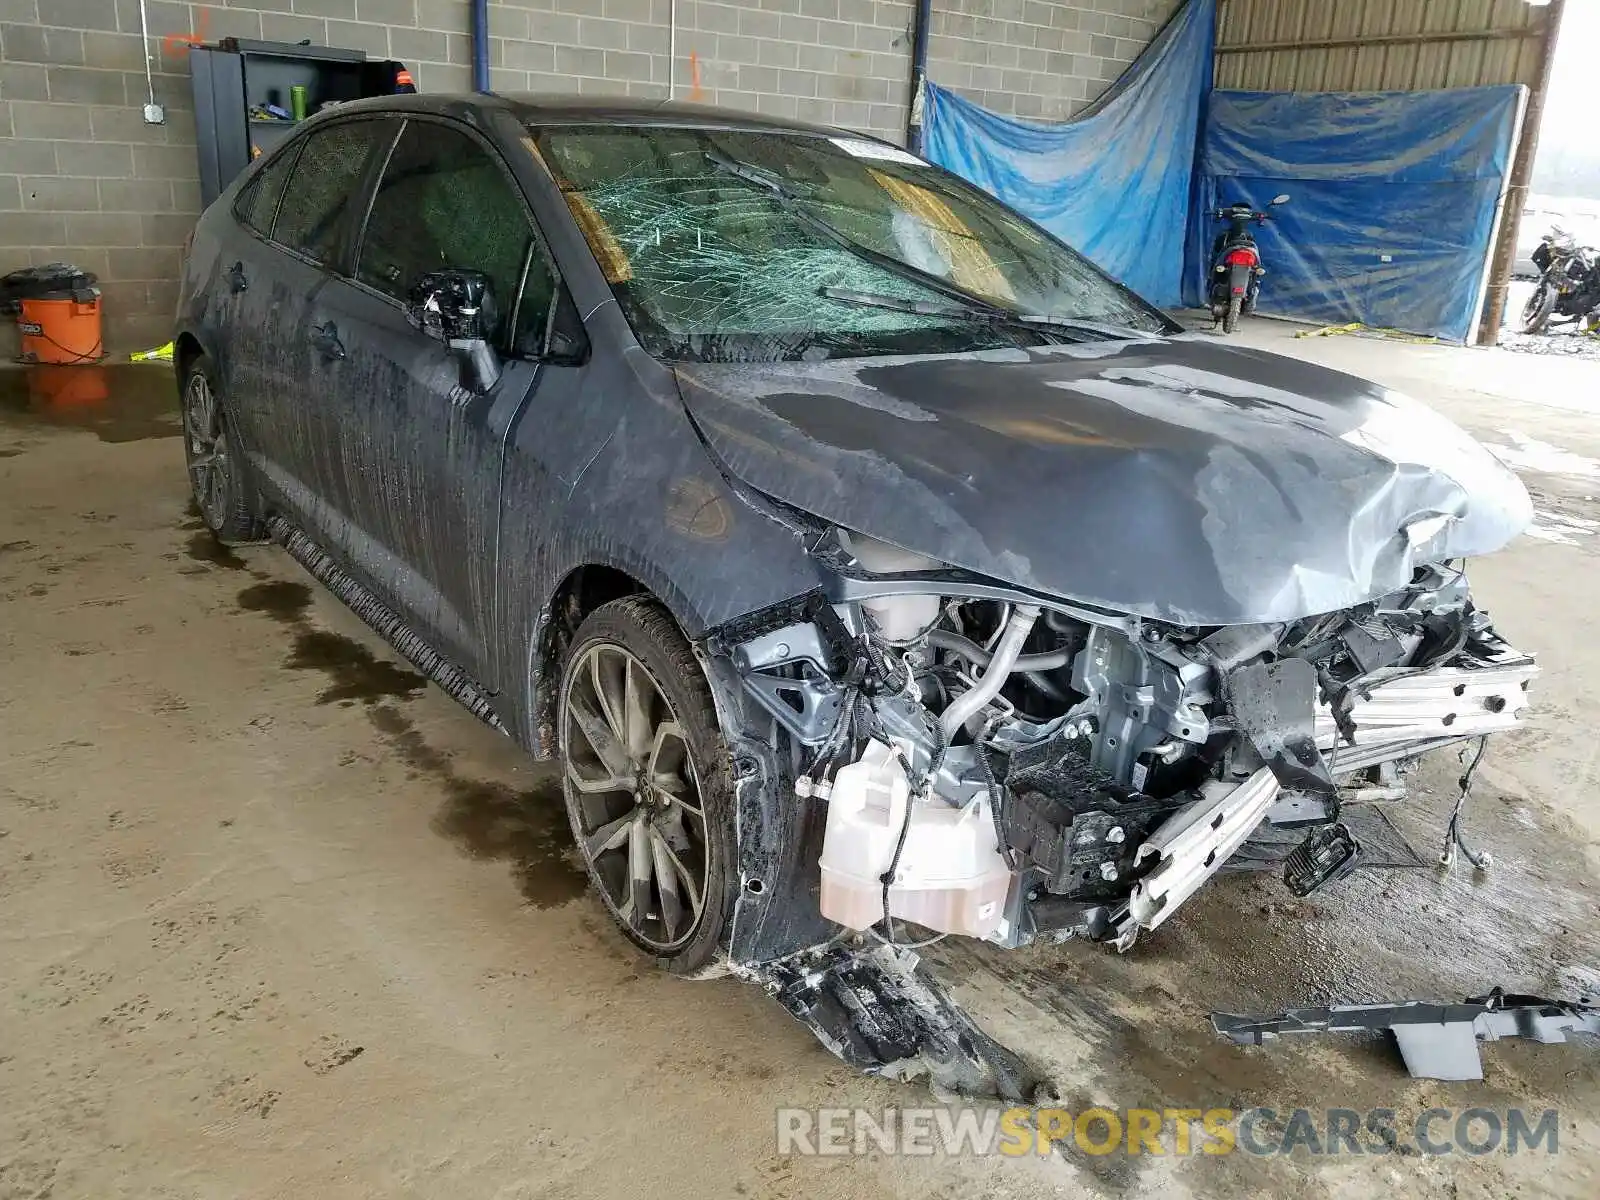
(1236, 268)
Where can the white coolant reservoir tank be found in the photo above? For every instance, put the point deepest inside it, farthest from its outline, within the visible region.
(900, 619)
(950, 878)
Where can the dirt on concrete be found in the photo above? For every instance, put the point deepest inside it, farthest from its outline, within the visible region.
(279, 919)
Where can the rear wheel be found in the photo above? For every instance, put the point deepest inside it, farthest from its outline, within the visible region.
(1536, 312)
(1230, 319)
(218, 476)
(647, 781)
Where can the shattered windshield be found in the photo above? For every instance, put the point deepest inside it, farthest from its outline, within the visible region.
(727, 246)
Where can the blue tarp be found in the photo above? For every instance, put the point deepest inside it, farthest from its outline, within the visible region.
(1393, 193)
(1393, 199)
(1115, 182)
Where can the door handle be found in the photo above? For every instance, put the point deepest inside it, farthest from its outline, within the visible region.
(236, 278)
(326, 339)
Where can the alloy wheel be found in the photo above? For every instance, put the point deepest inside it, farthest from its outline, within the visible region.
(207, 443)
(634, 796)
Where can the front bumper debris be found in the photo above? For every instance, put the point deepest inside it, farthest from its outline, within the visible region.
(878, 1012)
(1435, 707)
(957, 755)
(1192, 846)
(1437, 1041)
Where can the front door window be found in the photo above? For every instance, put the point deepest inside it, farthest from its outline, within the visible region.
(445, 202)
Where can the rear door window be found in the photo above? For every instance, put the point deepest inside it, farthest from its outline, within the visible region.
(325, 187)
(446, 201)
(258, 206)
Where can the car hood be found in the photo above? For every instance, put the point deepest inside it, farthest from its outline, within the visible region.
(1172, 478)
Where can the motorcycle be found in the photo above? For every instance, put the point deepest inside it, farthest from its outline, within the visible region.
(1569, 283)
(1236, 268)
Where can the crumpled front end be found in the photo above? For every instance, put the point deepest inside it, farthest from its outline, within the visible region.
(988, 762)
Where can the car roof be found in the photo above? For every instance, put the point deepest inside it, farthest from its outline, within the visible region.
(538, 109)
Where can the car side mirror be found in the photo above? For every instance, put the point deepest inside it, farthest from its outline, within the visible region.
(457, 307)
(566, 342)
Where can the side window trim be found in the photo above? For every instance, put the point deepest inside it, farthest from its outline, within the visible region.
(355, 230)
(522, 288)
(335, 262)
(352, 265)
(289, 154)
(350, 269)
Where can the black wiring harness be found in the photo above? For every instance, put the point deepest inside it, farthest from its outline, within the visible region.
(1454, 837)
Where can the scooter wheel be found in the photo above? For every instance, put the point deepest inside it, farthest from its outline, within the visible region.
(1230, 319)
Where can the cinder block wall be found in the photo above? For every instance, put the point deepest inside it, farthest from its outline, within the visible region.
(83, 178)
(1037, 58)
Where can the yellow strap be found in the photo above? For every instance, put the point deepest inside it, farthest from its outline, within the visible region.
(970, 264)
(1397, 335)
(608, 251)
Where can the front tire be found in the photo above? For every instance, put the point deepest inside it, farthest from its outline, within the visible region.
(1230, 319)
(648, 783)
(1536, 312)
(218, 477)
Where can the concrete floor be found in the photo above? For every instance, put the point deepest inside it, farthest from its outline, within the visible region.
(280, 921)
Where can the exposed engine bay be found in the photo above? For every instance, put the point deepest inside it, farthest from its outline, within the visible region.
(1000, 765)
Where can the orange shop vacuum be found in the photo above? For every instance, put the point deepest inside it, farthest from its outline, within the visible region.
(57, 308)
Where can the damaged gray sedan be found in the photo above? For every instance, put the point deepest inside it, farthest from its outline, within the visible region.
(876, 567)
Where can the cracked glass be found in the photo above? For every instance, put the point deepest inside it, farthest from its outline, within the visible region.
(258, 206)
(758, 246)
(326, 183)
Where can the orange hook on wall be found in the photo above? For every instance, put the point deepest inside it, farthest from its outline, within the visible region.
(177, 43)
(696, 94)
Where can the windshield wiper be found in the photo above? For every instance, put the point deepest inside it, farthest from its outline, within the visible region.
(905, 304)
(748, 173)
(1061, 327)
(967, 305)
(1099, 329)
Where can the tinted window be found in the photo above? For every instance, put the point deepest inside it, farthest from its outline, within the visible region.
(259, 204)
(445, 201)
(325, 185)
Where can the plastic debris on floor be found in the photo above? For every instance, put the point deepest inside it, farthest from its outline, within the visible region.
(1568, 342)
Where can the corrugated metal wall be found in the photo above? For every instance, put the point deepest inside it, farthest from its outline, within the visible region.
(1376, 45)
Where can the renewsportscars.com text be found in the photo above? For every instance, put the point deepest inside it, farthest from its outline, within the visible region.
(1015, 1132)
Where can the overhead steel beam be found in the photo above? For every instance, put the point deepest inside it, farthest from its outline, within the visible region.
(1388, 39)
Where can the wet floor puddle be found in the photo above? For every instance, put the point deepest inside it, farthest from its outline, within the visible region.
(354, 673)
(203, 547)
(117, 402)
(281, 599)
(490, 820)
(487, 819)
